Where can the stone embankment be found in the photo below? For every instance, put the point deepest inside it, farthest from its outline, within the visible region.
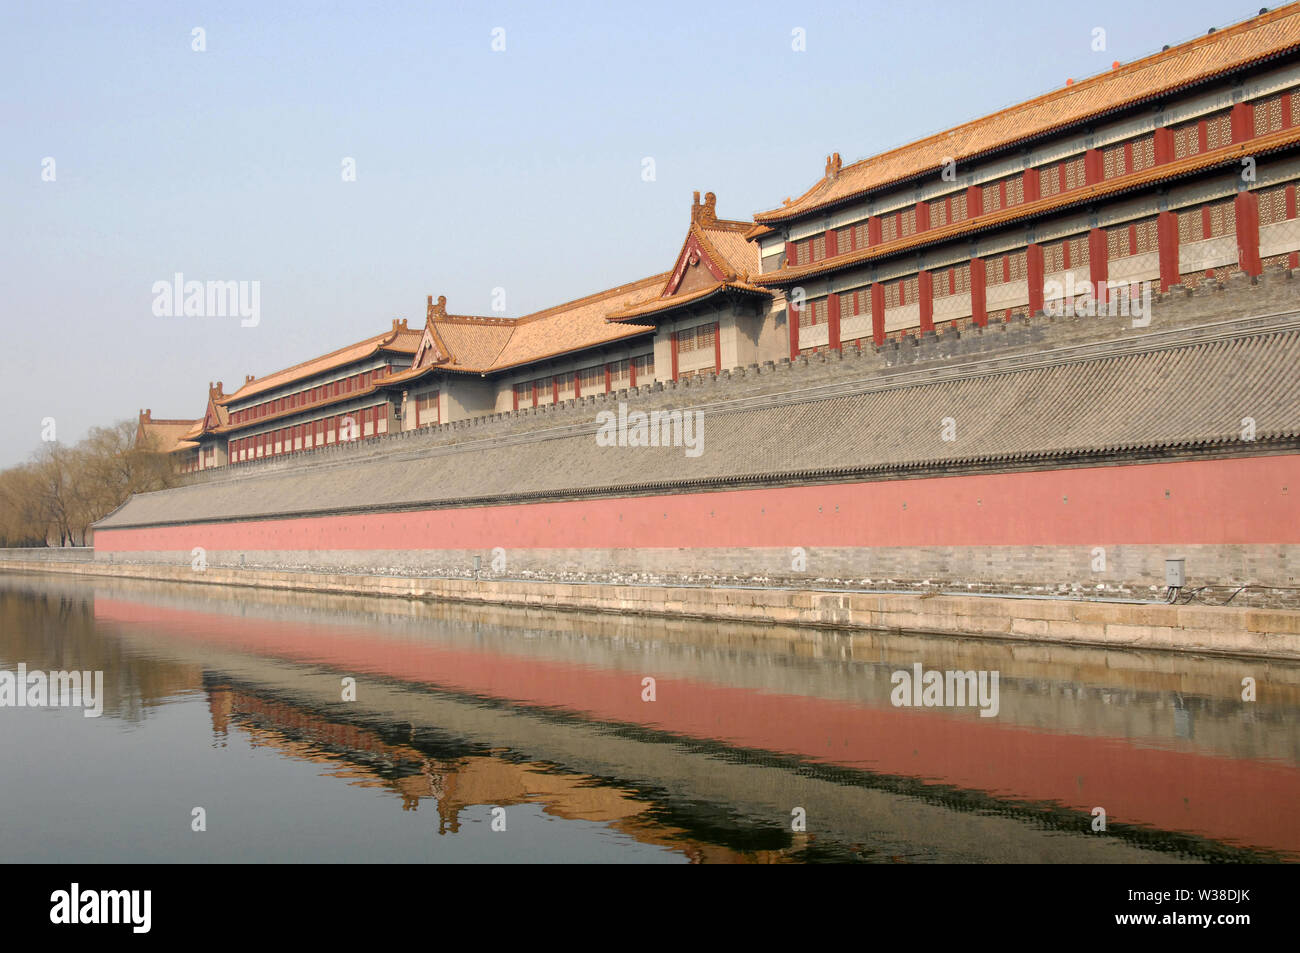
(1211, 630)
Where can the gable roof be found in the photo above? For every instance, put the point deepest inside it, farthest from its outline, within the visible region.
(720, 246)
(215, 416)
(486, 345)
(1150, 78)
(162, 435)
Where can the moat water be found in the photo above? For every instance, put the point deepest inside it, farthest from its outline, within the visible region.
(298, 727)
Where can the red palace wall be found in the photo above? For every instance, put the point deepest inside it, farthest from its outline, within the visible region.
(1240, 502)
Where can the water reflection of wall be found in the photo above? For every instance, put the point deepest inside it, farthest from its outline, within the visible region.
(786, 704)
(1157, 697)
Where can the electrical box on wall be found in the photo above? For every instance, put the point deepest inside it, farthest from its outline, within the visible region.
(1175, 576)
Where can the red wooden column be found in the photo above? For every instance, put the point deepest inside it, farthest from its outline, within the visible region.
(1167, 238)
(717, 348)
(878, 313)
(1033, 192)
(673, 343)
(833, 322)
(789, 254)
(974, 201)
(978, 309)
(1242, 121)
(1094, 168)
(793, 313)
(1248, 233)
(922, 216)
(925, 297)
(1163, 140)
(1034, 273)
(1098, 263)
(832, 243)
(873, 230)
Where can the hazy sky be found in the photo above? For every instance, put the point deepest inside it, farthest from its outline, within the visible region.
(475, 169)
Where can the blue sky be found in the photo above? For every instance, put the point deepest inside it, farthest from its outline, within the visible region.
(475, 169)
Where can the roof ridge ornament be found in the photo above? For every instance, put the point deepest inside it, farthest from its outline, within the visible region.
(833, 165)
(438, 310)
(706, 214)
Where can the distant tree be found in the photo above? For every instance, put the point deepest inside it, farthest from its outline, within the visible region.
(55, 498)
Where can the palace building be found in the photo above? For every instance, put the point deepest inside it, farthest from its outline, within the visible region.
(1177, 169)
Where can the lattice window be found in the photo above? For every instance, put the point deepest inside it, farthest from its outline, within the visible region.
(910, 293)
(592, 380)
(1191, 227)
(1049, 180)
(1223, 219)
(819, 248)
(620, 375)
(1053, 257)
(961, 278)
(524, 394)
(545, 391)
(853, 303)
(645, 368)
(907, 222)
(1187, 140)
(889, 228)
(802, 253)
(1272, 205)
(697, 338)
(893, 294)
(991, 197)
(860, 235)
(1113, 162)
(1117, 244)
(427, 408)
(957, 207)
(1268, 115)
(1075, 173)
(938, 213)
(1144, 153)
(1146, 237)
(813, 312)
(1218, 131)
(1295, 108)
(1080, 251)
(1015, 190)
(844, 240)
(565, 388)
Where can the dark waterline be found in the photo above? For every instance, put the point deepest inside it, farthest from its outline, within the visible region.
(231, 700)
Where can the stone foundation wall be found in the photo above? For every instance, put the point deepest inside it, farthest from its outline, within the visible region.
(1230, 631)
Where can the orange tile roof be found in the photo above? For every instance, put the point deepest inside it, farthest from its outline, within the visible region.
(474, 342)
(215, 416)
(1152, 77)
(725, 245)
(164, 436)
(659, 305)
(1229, 154)
(399, 339)
(575, 324)
(479, 345)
